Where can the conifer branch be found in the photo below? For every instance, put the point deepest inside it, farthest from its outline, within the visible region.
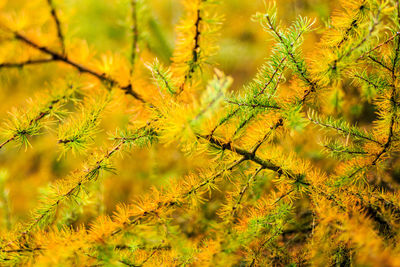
(344, 150)
(28, 125)
(297, 178)
(194, 43)
(299, 66)
(72, 189)
(370, 32)
(368, 81)
(380, 63)
(77, 133)
(140, 264)
(254, 102)
(25, 63)
(261, 221)
(342, 127)
(387, 144)
(177, 200)
(393, 102)
(162, 77)
(375, 212)
(58, 25)
(170, 203)
(21, 250)
(144, 214)
(278, 124)
(240, 151)
(195, 51)
(355, 23)
(252, 105)
(81, 68)
(379, 45)
(243, 191)
(224, 120)
(259, 249)
(8, 141)
(277, 221)
(279, 67)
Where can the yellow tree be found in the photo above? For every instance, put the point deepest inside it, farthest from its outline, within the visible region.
(299, 166)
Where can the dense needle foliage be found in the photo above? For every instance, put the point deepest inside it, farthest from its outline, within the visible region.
(120, 147)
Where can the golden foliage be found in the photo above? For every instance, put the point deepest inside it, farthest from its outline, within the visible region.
(172, 163)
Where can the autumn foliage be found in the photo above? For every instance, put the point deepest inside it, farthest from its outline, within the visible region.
(264, 134)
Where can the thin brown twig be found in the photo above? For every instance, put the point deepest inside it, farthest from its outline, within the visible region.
(60, 34)
(81, 68)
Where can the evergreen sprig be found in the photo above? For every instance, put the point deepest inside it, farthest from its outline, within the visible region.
(24, 123)
(342, 127)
